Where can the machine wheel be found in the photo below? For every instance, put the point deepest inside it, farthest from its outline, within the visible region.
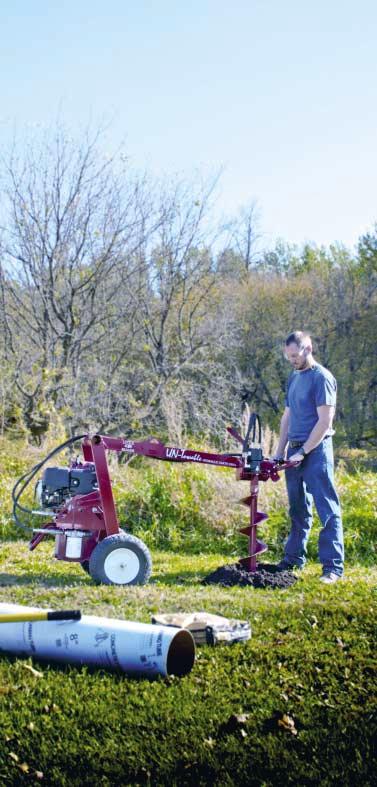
(121, 559)
(85, 563)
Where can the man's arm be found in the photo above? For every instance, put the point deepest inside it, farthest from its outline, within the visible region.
(283, 436)
(325, 418)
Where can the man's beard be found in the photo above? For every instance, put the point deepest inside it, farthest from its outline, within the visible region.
(303, 365)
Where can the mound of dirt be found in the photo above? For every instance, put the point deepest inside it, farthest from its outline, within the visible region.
(267, 575)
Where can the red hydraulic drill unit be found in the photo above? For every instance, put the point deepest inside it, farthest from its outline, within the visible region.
(80, 505)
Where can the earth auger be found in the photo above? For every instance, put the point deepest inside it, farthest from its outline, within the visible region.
(79, 502)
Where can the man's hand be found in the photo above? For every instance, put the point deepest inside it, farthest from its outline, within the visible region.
(295, 458)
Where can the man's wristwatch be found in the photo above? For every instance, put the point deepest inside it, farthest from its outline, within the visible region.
(302, 451)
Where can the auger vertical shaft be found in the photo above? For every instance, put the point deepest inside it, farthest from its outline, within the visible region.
(253, 528)
(255, 546)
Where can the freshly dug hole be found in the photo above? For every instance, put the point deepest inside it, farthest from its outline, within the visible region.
(267, 575)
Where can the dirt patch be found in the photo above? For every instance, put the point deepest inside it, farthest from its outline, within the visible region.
(267, 575)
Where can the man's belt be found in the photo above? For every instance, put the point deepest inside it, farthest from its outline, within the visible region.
(299, 443)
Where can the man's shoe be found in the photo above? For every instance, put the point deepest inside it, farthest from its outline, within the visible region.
(285, 565)
(329, 577)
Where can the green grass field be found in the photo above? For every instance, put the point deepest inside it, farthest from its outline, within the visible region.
(294, 705)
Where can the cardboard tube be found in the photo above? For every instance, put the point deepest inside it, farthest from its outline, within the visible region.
(134, 648)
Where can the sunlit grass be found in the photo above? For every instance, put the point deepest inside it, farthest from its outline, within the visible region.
(311, 658)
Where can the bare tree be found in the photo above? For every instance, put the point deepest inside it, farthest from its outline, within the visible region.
(74, 222)
(244, 237)
(172, 301)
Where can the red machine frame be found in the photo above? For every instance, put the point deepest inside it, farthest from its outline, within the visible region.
(94, 514)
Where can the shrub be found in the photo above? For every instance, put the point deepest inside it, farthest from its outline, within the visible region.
(192, 508)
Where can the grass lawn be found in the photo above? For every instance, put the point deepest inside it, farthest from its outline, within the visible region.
(294, 705)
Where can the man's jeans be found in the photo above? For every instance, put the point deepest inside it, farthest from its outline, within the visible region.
(314, 479)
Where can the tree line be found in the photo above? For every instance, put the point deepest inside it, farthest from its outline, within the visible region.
(124, 309)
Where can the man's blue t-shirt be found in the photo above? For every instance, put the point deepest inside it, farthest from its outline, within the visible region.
(306, 391)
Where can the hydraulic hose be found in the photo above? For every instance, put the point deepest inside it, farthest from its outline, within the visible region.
(254, 421)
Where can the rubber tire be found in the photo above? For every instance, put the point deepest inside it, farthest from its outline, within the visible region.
(85, 563)
(110, 544)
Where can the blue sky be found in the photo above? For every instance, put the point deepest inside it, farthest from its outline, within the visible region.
(282, 95)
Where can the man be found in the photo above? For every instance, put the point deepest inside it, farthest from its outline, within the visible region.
(306, 426)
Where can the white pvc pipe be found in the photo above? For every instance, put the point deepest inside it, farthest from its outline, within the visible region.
(135, 648)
